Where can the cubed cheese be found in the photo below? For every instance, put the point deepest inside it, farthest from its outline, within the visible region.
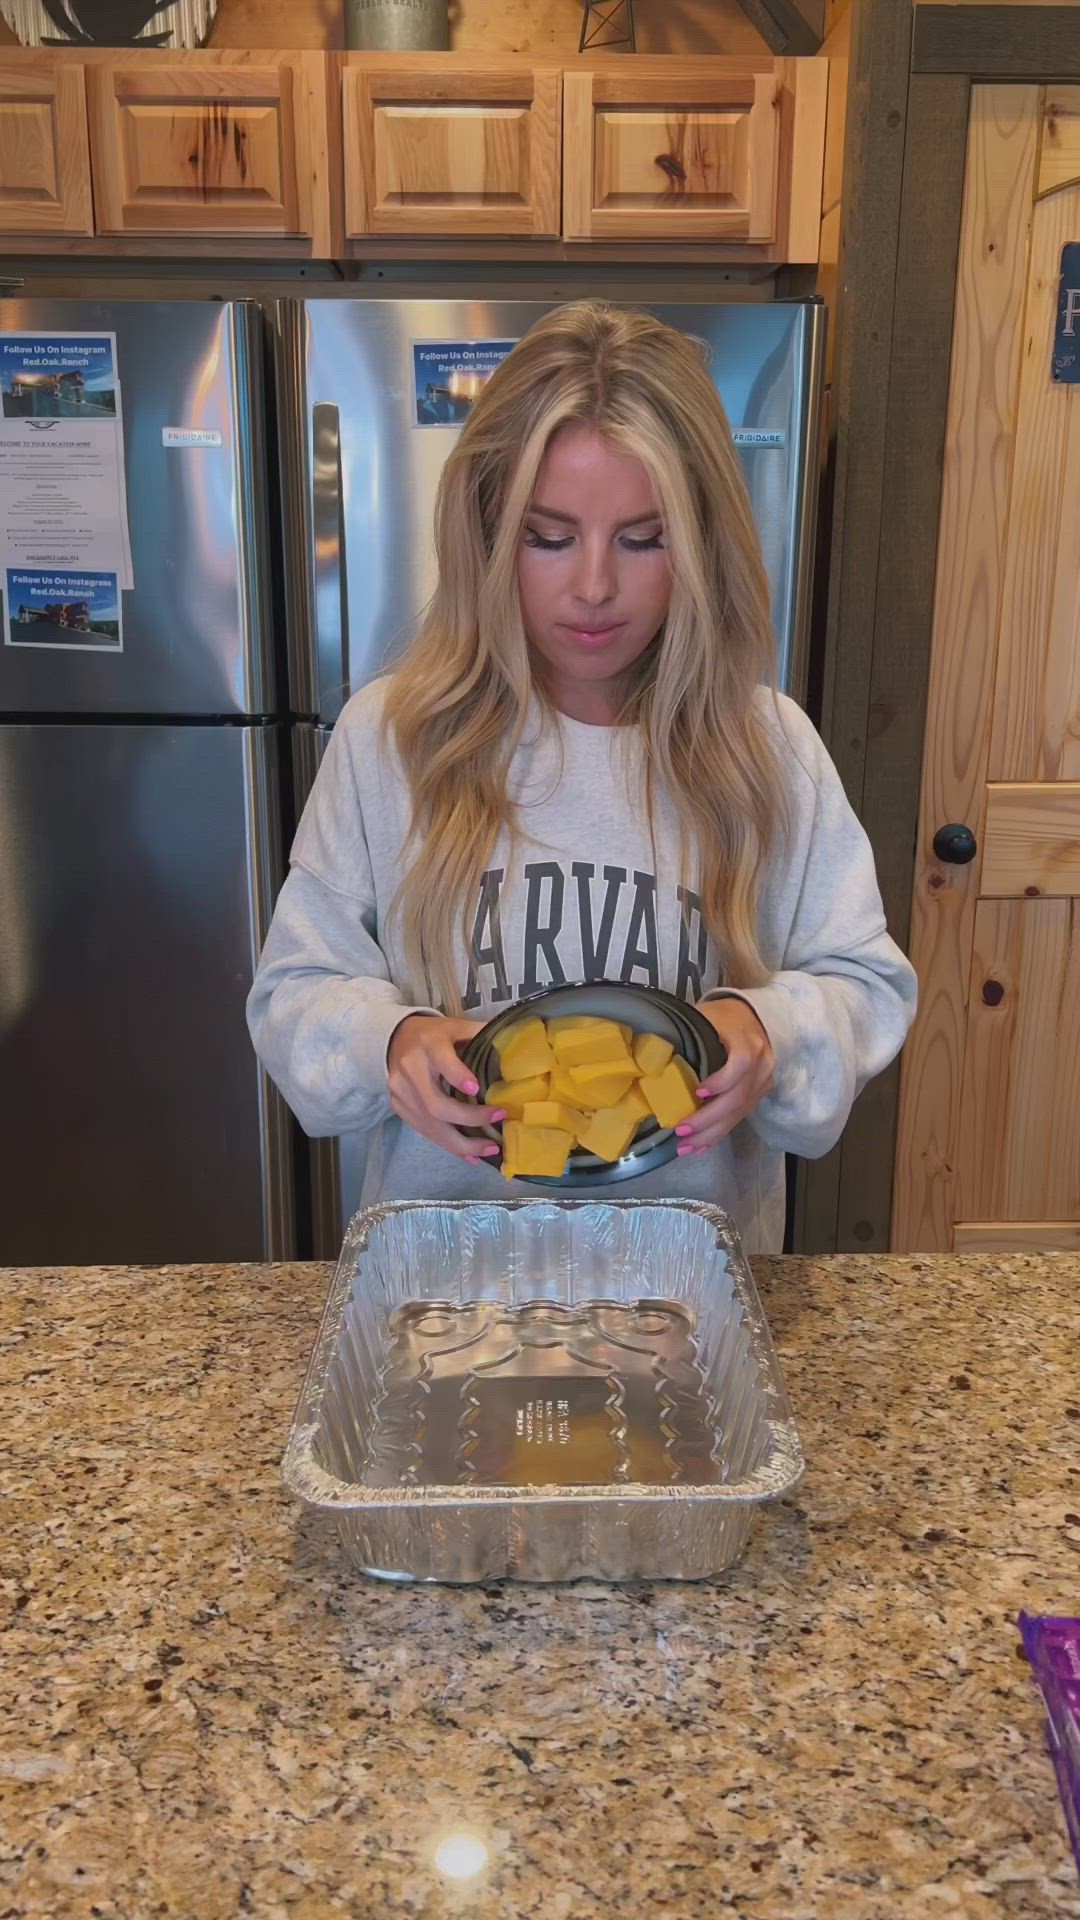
(561, 1087)
(652, 1054)
(609, 1133)
(689, 1077)
(553, 1113)
(511, 1095)
(534, 1150)
(584, 1044)
(602, 1083)
(635, 1102)
(668, 1095)
(572, 1023)
(524, 1051)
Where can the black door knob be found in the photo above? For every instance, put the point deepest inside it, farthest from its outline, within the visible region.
(956, 845)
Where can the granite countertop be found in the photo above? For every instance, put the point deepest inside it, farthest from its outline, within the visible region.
(206, 1714)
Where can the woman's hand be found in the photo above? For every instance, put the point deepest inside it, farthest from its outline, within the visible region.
(422, 1054)
(741, 1084)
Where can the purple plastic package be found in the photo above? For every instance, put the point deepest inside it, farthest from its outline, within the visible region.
(1052, 1644)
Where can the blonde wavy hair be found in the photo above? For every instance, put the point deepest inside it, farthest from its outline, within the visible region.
(458, 700)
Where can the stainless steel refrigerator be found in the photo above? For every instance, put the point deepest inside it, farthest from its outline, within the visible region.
(140, 833)
(371, 394)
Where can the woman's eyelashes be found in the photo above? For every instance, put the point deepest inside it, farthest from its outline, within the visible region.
(629, 545)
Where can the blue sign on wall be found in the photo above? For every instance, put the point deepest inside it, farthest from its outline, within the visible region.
(1066, 362)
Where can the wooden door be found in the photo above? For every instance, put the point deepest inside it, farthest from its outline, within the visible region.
(989, 1127)
(44, 152)
(663, 149)
(208, 145)
(443, 147)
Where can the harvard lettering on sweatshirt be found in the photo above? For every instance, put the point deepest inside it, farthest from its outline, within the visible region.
(587, 893)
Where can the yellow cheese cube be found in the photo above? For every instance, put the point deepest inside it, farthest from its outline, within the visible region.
(572, 1023)
(524, 1051)
(609, 1133)
(668, 1095)
(561, 1087)
(627, 1034)
(651, 1053)
(689, 1077)
(511, 1095)
(602, 1083)
(535, 1150)
(584, 1044)
(553, 1113)
(634, 1101)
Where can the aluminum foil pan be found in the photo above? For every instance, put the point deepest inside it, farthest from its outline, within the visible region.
(543, 1390)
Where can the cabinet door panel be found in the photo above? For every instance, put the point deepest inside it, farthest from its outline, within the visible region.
(458, 152)
(656, 155)
(44, 152)
(182, 147)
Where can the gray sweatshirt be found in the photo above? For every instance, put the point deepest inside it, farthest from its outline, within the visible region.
(580, 896)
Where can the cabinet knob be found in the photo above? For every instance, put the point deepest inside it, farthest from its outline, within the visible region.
(955, 845)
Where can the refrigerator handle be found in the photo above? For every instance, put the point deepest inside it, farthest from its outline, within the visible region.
(328, 527)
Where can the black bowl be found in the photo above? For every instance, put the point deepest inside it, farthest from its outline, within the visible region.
(646, 1010)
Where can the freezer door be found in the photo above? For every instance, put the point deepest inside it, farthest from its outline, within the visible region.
(196, 625)
(361, 466)
(336, 1166)
(140, 866)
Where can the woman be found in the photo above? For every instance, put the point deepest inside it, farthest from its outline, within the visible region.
(578, 771)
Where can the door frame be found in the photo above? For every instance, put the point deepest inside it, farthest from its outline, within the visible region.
(912, 71)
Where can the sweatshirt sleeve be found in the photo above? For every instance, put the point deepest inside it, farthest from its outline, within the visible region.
(323, 1007)
(839, 1007)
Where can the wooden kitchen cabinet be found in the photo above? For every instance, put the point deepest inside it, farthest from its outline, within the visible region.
(434, 146)
(703, 150)
(210, 146)
(312, 155)
(44, 156)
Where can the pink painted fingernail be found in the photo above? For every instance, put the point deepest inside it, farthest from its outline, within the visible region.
(704, 1093)
(473, 1161)
(684, 1129)
(684, 1152)
(486, 1152)
(472, 1086)
(497, 1116)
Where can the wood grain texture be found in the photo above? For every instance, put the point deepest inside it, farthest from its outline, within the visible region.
(316, 24)
(862, 342)
(1059, 155)
(1025, 43)
(836, 55)
(1019, 1147)
(662, 152)
(804, 190)
(1031, 841)
(909, 503)
(1036, 728)
(203, 144)
(1016, 1236)
(473, 149)
(980, 424)
(44, 148)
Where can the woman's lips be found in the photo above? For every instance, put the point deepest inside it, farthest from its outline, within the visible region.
(593, 636)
